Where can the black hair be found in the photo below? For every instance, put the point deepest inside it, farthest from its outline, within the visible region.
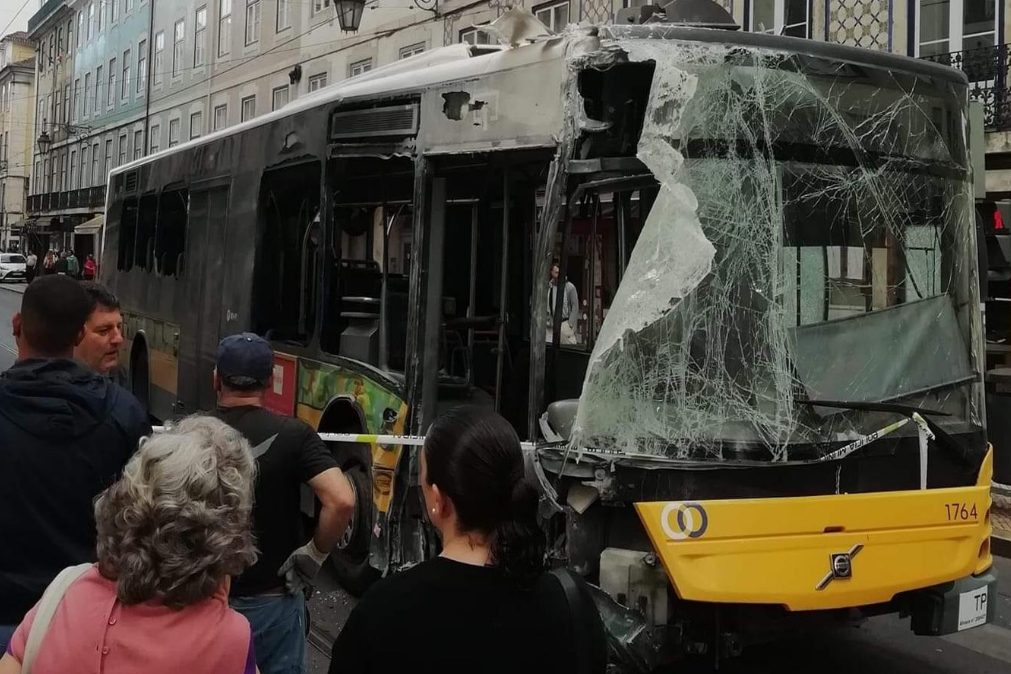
(474, 456)
(99, 295)
(53, 312)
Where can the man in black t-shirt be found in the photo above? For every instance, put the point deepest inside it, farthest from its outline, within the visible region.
(288, 453)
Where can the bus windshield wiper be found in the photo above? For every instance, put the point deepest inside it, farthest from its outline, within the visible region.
(944, 439)
(871, 407)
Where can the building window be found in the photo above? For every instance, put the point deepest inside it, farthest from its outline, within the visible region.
(279, 97)
(84, 166)
(159, 55)
(108, 160)
(124, 149)
(946, 26)
(200, 37)
(95, 171)
(87, 92)
(76, 102)
(141, 66)
(111, 93)
(252, 21)
(66, 104)
(73, 169)
(224, 26)
(411, 50)
(319, 5)
(555, 16)
(248, 108)
(173, 132)
(129, 5)
(113, 10)
(220, 117)
(138, 144)
(317, 82)
(91, 19)
(178, 42)
(70, 36)
(779, 17)
(125, 85)
(80, 28)
(99, 17)
(283, 15)
(359, 67)
(98, 87)
(155, 141)
(196, 125)
(474, 36)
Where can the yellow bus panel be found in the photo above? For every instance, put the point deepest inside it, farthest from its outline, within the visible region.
(822, 552)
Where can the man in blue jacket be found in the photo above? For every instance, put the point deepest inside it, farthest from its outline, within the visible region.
(65, 435)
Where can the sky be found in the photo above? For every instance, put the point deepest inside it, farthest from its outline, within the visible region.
(17, 13)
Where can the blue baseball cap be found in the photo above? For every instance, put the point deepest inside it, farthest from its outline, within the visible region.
(245, 359)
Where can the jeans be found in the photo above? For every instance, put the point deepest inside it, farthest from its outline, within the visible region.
(278, 623)
(6, 632)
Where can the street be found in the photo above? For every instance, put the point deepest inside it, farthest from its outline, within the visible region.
(883, 645)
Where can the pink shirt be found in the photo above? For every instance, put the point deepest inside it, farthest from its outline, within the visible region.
(93, 632)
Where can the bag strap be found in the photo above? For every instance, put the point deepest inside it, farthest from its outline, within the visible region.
(50, 601)
(576, 604)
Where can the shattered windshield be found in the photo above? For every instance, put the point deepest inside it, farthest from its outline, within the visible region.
(811, 239)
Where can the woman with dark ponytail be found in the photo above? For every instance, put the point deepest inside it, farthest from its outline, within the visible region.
(485, 604)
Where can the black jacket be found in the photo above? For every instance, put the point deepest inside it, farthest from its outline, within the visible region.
(65, 435)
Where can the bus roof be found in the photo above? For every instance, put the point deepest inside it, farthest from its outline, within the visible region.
(463, 61)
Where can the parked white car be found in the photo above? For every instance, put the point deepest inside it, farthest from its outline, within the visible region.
(12, 267)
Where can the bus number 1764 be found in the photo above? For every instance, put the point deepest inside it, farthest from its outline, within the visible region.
(960, 512)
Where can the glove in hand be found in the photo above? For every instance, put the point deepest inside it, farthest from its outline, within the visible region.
(301, 567)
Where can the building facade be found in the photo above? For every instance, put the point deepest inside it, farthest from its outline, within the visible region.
(118, 79)
(17, 128)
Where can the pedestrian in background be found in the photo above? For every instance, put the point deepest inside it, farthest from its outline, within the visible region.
(73, 265)
(65, 435)
(30, 263)
(289, 453)
(171, 532)
(61, 263)
(90, 268)
(485, 604)
(103, 331)
(49, 263)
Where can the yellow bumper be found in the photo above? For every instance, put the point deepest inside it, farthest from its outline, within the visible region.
(822, 552)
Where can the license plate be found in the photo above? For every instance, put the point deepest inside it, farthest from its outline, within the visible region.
(972, 608)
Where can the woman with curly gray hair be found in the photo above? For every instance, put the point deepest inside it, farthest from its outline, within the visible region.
(171, 533)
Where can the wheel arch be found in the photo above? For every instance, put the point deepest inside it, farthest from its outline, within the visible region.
(343, 415)
(139, 349)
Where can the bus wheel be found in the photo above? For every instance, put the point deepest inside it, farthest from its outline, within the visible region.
(350, 557)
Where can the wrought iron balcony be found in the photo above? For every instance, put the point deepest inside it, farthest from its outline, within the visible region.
(987, 70)
(86, 197)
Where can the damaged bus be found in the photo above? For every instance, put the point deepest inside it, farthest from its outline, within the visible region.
(756, 406)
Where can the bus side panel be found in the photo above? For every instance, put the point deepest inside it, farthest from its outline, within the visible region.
(319, 383)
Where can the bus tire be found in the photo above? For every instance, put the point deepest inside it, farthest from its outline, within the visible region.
(350, 557)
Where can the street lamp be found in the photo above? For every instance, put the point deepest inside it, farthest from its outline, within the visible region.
(44, 142)
(349, 14)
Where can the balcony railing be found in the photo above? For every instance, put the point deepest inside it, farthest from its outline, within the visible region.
(86, 197)
(987, 70)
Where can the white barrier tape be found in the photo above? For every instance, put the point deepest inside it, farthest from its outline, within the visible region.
(374, 439)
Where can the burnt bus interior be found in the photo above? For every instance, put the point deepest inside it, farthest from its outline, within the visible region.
(482, 211)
